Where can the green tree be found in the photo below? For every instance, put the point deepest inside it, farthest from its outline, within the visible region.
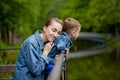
(8, 14)
(16, 15)
(25, 16)
(76, 9)
(103, 14)
(94, 15)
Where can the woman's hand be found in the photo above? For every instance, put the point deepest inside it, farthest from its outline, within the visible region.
(48, 46)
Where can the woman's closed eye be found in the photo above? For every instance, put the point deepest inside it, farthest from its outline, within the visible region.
(55, 30)
(59, 32)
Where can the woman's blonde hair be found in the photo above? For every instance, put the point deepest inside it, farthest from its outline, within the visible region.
(49, 22)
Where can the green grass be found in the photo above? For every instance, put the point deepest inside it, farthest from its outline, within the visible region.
(99, 67)
(8, 57)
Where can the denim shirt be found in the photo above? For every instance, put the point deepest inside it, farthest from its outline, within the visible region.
(61, 43)
(31, 62)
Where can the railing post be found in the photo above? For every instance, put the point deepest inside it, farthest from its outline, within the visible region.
(65, 68)
(56, 72)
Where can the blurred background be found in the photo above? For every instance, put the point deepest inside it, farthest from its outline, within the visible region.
(21, 18)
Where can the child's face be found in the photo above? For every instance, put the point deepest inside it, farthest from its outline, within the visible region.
(75, 33)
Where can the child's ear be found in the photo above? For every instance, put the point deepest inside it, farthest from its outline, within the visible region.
(72, 33)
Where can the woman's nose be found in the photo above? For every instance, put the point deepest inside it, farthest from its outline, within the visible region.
(56, 34)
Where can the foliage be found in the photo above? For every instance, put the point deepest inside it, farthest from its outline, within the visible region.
(2, 44)
(94, 14)
(82, 44)
(113, 43)
(103, 12)
(22, 17)
(25, 16)
(8, 56)
(99, 67)
(76, 9)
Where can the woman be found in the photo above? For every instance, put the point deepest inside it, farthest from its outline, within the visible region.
(33, 54)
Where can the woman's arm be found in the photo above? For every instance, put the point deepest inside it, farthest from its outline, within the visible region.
(35, 60)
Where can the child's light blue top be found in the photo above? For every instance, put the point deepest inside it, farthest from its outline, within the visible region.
(60, 44)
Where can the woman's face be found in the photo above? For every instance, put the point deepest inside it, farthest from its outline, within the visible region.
(53, 31)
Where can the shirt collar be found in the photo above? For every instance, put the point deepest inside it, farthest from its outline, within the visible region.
(39, 39)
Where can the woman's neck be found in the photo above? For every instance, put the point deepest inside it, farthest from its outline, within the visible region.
(44, 39)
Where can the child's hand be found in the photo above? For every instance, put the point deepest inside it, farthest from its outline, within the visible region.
(67, 52)
(56, 57)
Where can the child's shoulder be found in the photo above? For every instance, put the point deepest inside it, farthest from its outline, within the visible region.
(63, 34)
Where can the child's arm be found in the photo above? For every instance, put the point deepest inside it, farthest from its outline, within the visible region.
(61, 44)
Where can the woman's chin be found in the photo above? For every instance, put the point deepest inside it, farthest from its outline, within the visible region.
(51, 40)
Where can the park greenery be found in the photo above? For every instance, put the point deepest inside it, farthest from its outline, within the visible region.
(21, 18)
(18, 17)
(98, 67)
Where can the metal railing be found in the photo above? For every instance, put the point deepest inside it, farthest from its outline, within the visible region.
(2, 49)
(59, 71)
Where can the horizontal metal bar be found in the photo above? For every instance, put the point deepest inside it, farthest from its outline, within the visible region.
(7, 68)
(1, 49)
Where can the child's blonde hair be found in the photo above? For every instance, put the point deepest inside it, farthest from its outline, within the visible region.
(71, 24)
